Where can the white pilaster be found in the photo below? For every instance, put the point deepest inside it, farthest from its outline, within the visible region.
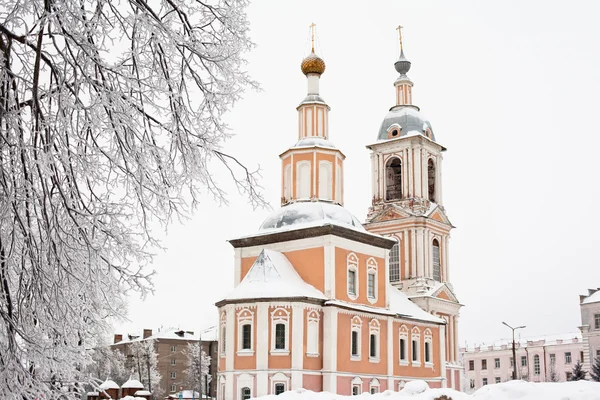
(390, 352)
(330, 334)
(424, 177)
(262, 383)
(413, 252)
(419, 239)
(262, 336)
(410, 172)
(297, 345)
(237, 267)
(231, 347)
(417, 173)
(329, 273)
(443, 355)
(405, 172)
(405, 244)
(447, 247)
(451, 338)
(438, 180)
(228, 385)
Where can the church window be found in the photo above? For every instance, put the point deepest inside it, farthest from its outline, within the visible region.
(428, 337)
(355, 333)
(395, 263)
(395, 132)
(393, 170)
(246, 394)
(246, 337)
(355, 390)
(280, 337)
(374, 386)
(415, 350)
(431, 179)
(427, 352)
(536, 365)
(287, 183)
(303, 180)
(436, 261)
(356, 386)
(373, 346)
(279, 388)
(371, 280)
(312, 340)
(352, 284)
(416, 340)
(403, 349)
(325, 180)
(374, 340)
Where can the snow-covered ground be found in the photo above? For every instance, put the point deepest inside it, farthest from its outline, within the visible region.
(418, 390)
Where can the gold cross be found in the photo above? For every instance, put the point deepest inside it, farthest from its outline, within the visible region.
(399, 29)
(312, 34)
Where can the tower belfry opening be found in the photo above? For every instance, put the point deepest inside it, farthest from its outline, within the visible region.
(431, 180)
(393, 179)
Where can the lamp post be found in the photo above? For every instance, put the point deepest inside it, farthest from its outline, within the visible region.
(200, 359)
(514, 374)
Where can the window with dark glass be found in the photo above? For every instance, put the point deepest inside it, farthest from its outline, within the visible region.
(436, 261)
(427, 352)
(484, 381)
(352, 282)
(395, 263)
(496, 363)
(403, 349)
(536, 365)
(393, 190)
(246, 337)
(523, 361)
(279, 388)
(354, 343)
(371, 285)
(355, 390)
(415, 350)
(568, 358)
(280, 336)
(471, 365)
(483, 364)
(245, 393)
(596, 321)
(373, 346)
(431, 179)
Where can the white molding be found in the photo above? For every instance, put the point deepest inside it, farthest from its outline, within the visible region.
(372, 270)
(356, 326)
(297, 344)
(280, 315)
(352, 263)
(237, 267)
(262, 336)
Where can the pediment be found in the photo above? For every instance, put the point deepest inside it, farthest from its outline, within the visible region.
(390, 213)
(444, 293)
(439, 215)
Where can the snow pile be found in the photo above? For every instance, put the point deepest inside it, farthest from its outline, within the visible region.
(419, 390)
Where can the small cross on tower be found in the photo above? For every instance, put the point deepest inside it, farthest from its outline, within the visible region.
(399, 29)
(312, 35)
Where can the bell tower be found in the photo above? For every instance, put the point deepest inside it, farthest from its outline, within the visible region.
(407, 205)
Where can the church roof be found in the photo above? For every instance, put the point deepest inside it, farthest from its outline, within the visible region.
(410, 120)
(273, 276)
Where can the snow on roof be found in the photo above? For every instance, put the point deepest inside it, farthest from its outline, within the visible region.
(143, 393)
(133, 384)
(108, 384)
(402, 305)
(188, 394)
(169, 333)
(273, 276)
(546, 340)
(593, 298)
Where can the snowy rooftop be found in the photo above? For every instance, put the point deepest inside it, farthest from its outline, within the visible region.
(171, 334)
(409, 118)
(273, 276)
(547, 340)
(108, 384)
(593, 298)
(314, 141)
(133, 384)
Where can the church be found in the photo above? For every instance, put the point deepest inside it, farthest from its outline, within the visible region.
(327, 303)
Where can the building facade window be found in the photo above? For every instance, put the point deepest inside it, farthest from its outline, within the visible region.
(427, 352)
(523, 361)
(596, 321)
(394, 262)
(431, 180)
(352, 266)
(355, 390)
(245, 320)
(303, 180)
(173, 388)
(374, 340)
(497, 379)
(246, 337)
(279, 388)
(356, 386)
(437, 275)
(415, 336)
(246, 393)
(428, 342)
(496, 363)
(312, 331)
(280, 318)
(483, 364)
(173, 348)
(173, 375)
(536, 365)
(403, 345)
(512, 362)
(393, 172)
(484, 382)
(287, 182)
(374, 386)
(552, 359)
(568, 358)
(471, 365)
(372, 280)
(172, 361)
(355, 335)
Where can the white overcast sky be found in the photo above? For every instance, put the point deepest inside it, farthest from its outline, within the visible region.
(511, 89)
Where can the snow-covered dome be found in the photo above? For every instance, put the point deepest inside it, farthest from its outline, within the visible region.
(133, 384)
(312, 213)
(409, 118)
(314, 141)
(109, 384)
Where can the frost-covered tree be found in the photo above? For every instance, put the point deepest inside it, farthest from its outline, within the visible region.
(108, 363)
(110, 121)
(552, 375)
(578, 372)
(198, 368)
(595, 372)
(145, 365)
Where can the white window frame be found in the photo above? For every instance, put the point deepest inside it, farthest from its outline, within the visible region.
(173, 361)
(280, 378)
(325, 168)
(299, 179)
(395, 248)
(173, 388)
(374, 386)
(497, 379)
(173, 375)
(484, 382)
(428, 338)
(245, 317)
(173, 348)
(403, 334)
(374, 329)
(415, 335)
(243, 381)
(356, 326)
(497, 363)
(439, 265)
(372, 271)
(352, 265)
(356, 383)
(313, 319)
(569, 359)
(280, 316)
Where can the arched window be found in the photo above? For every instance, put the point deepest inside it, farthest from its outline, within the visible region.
(280, 337)
(437, 276)
(246, 394)
(536, 365)
(395, 263)
(403, 334)
(431, 179)
(393, 173)
(303, 180)
(325, 180)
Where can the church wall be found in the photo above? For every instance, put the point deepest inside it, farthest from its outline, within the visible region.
(408, 367)
(341, 276)
(312, 382)
(312, 362)
(279, 361)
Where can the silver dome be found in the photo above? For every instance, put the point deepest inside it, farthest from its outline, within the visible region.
(409, 118)
(311, 213)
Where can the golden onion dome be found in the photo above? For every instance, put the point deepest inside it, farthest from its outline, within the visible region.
(312, 64)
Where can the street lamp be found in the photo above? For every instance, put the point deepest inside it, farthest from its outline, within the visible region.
(200, 359)
(514, 374)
